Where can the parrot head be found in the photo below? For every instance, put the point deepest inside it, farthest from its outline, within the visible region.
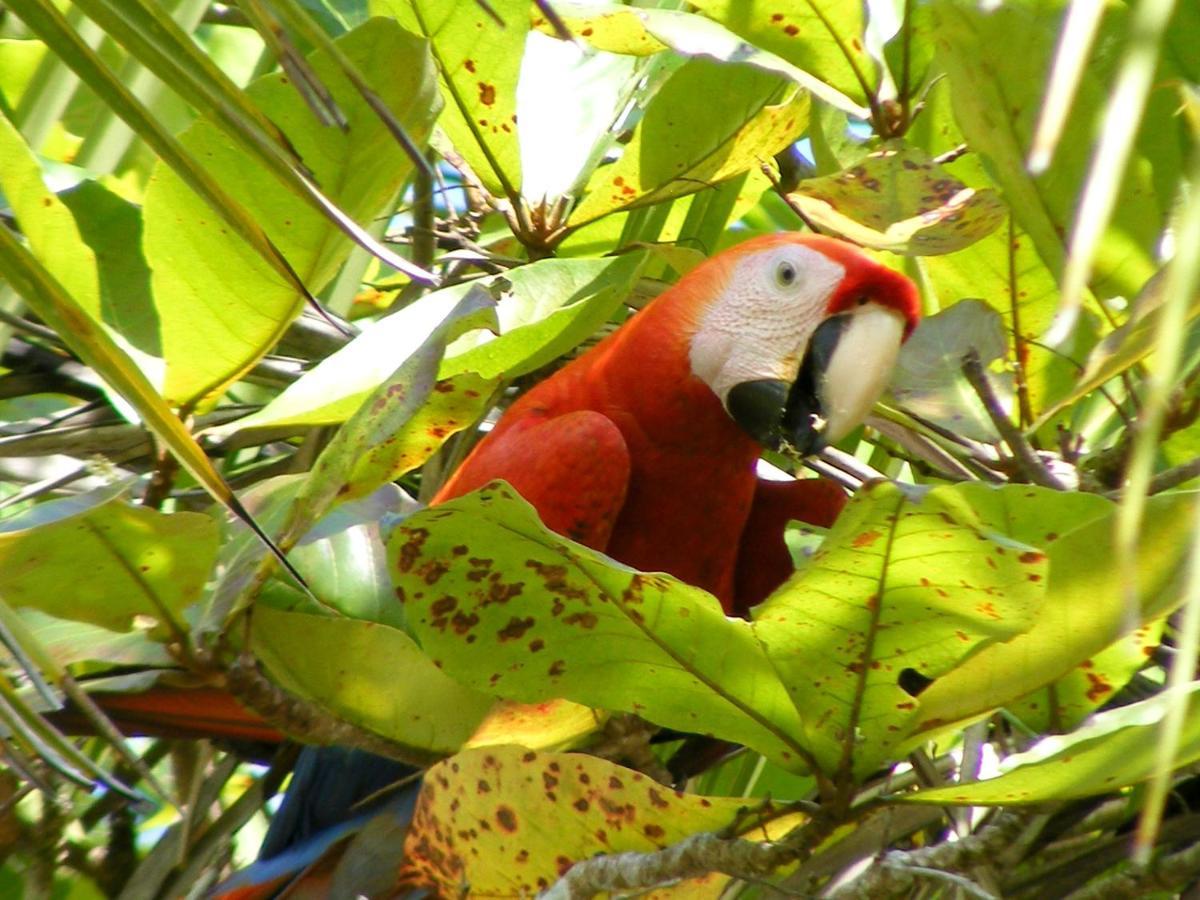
(800, 340)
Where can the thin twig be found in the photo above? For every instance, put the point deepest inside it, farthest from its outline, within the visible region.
(1025, 456)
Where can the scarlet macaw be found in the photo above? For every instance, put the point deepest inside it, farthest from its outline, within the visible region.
(645, 447)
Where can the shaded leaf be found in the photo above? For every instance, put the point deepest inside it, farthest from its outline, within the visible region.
(70, 641)
(510, 822)
(897, 198)
(997, 94)
(121, 563)
(928, 379)
(1129, 344)
(368, 674)
(1116, 748)
(900, 594)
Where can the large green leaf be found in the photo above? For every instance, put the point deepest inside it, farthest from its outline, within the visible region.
(897, 198)
(997, 96)
(822, 37)
(900, 594)
(1117, 748)
(219, 306)
(369, 674)
(479, 60)
(507, 606)
(110, 564)
(510, 822)
(1086, 608)
(685, 142)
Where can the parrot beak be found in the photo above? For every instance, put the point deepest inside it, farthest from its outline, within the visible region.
(846, 366)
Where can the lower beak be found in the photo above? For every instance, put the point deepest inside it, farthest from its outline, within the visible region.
(846, 366)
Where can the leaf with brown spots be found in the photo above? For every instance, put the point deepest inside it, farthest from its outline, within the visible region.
(602, 635)
(1086, 609)
(357, 460)
(898, 199)
(859, 633)
(1117, 748)
(479, 61)
(541, 813)
(368, 674)
(1090, 685)
(823, 37)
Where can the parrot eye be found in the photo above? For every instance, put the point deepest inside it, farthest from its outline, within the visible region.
(785, 274)
(862, 301)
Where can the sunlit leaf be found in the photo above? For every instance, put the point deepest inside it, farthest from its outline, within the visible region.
(1115, 749)
(511, 821)
(822, 37)
(199, 266)
(900, 594)
(544, 310)
(1086, 608)
(479, 60)
(507, 606)
(143, 567)
(684, 143)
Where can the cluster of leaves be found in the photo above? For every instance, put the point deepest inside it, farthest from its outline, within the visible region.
(267, 267)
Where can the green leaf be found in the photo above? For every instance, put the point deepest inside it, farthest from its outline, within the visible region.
(928, 379)
(139, 563)
(1117, 748)
(900, 594)
(897, 198)
(1129, 344)
(507, 606)
(605, 26)
(1086, 608)
(368, 450)
(1090, 684)
(479, 61)
(545, 309)
(510, 821)
(369, 674)
(69, 641)
(822, 37)
(220, 307)
(997, 94)
(685, 143)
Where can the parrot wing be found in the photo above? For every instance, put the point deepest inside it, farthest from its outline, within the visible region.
(573, 468)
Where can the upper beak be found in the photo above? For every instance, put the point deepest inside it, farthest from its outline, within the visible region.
(846, 366)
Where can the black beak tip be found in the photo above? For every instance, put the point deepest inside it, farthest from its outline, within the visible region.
(757, 407)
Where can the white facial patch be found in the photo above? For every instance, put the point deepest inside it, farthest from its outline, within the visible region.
(759, 326)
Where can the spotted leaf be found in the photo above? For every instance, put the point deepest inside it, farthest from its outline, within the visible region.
(507, 606)
(899, 199)
(900, 594)
(509, 822)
